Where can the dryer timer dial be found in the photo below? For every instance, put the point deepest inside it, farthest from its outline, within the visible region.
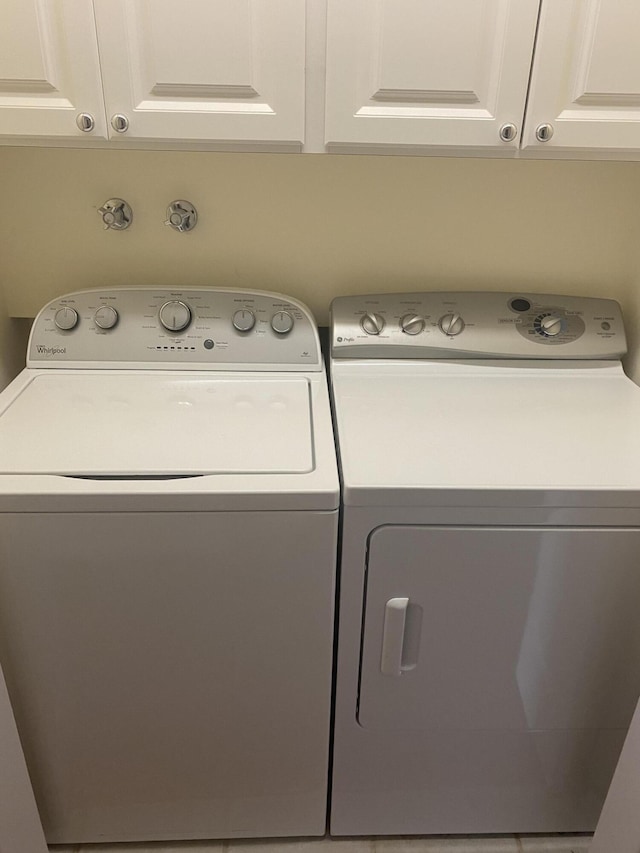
(552, 325)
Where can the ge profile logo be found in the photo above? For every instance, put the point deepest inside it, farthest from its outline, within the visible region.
(339, 340)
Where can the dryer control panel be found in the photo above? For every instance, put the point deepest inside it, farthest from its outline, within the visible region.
(476, 325)
(194, 328)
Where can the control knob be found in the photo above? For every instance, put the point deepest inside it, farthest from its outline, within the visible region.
(244, 320)
(105, 317)
(175, 315)
(66, 318)
(412, 324)
(552, 325)
(282, 322)
(451, 324)
(372, 324)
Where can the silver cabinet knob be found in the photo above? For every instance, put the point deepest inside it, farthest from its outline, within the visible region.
(372, 324)
(120, 123)
(181, 215)
(244, 320)
(175, 315)
(85, 122)
(412, 324)
(544, 132)
(66, 318)
(508, 132)
(106, 317)
(116, 214)
(282, 322)
(451, 324)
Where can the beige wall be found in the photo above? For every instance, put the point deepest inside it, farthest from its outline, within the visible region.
(315, 226)
(13, 341)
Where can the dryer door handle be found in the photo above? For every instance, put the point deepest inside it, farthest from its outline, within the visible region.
(400, 636)
(395, 619)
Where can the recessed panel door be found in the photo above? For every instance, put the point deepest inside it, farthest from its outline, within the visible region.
(231, 71)
(428, 72)
(49, 73)
(585, 84)
(515, 630)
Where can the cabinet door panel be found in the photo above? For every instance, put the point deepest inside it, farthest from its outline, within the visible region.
(226, 71)
(48, 69)
(586, 75)
(427, 73)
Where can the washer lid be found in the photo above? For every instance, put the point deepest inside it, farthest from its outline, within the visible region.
(157, 425)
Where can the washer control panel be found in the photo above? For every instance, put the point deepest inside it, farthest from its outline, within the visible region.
(195, 328)
(480, 325)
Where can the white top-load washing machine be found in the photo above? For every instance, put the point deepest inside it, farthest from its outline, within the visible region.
(488, 640)
(168, 518)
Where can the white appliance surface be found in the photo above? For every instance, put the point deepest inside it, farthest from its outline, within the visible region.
(469, 426)
(136, 424)
(168, 533)
(489, 647)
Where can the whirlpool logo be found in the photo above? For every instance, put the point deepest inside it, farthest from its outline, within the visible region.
(43, 350)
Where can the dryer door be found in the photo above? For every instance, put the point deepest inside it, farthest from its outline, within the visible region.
(519, 630)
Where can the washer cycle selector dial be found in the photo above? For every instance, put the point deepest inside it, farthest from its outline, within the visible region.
(282, 322)
(451, 324)
(105, 317)
(372, 324)
(244, 320)
(175, 315)
(412, 324)
(66, 318)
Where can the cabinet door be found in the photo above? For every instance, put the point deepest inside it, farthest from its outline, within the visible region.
(427, 72)
(586, 76)
(224, 71)
(49, 72)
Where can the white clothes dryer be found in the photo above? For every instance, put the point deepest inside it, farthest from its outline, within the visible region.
(168, 519)
(488, 640)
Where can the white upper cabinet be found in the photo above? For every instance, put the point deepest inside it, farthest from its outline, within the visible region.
(407, 76)
(230, 71)
(49, 72)
(585, 85)
(428, 72)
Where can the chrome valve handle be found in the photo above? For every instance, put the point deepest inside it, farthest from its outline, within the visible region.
(181, 215)
(116, 214)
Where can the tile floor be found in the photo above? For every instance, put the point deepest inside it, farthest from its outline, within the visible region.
(503, 844)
